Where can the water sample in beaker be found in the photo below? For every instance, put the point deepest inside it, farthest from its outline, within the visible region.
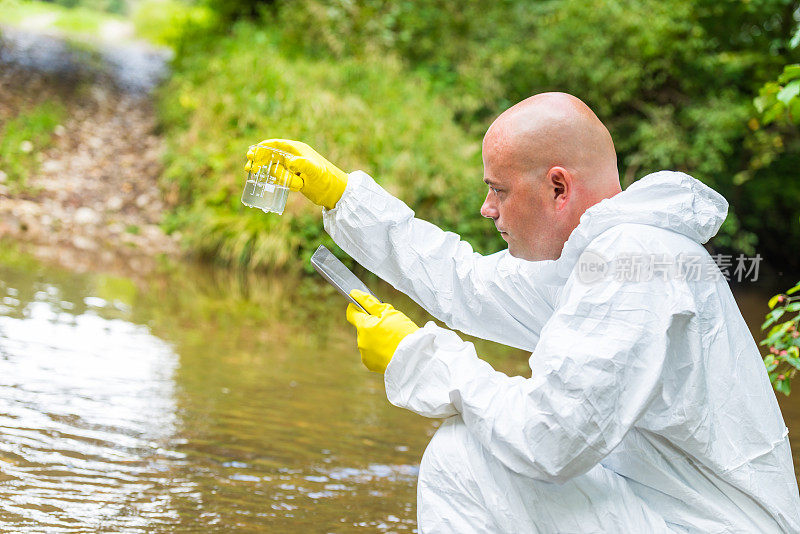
(266, 187)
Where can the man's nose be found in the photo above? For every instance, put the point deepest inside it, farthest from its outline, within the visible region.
(488, 209)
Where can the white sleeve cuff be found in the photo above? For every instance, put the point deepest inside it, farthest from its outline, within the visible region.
(354, 181)
(428, 368)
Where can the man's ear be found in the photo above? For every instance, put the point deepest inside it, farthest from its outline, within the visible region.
(560, 184)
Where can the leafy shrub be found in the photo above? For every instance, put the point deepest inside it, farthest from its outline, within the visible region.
(231, 10)
(779, 103)
(781, 99)
(783, 339)
(172, 22)
(362, 113)
(672, 79)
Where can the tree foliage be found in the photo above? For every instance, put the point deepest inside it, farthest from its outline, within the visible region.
(778, 103)
(673, 79)
(362, 113)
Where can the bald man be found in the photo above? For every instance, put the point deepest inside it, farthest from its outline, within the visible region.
(648, 408)
(551, 141)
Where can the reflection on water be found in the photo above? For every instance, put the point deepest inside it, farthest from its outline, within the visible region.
(192, 401)
(89, 412)
(203, 401)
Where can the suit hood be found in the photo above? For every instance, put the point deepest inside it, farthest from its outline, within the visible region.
(670, 200)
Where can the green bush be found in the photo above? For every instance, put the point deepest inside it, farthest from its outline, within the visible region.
(231, 10)
(173, 23)
(673, 80)
(365, 113)
(783, 339)
(405, 90)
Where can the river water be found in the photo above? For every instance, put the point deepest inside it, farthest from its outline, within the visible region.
(196, 400)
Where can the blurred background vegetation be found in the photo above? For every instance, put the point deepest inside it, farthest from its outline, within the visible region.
(405, 90)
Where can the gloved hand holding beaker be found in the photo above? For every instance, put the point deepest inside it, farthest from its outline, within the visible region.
(317, 178)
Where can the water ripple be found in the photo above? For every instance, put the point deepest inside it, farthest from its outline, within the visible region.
(87, 420)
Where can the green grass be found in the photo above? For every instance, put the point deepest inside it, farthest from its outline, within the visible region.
(24, 137)
(13, 12)
(162, 22)
(361, 113)
(69, 20)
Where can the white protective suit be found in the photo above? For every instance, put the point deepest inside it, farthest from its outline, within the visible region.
(648, 408)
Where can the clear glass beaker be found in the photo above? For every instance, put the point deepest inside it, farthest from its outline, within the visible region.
(267, 186)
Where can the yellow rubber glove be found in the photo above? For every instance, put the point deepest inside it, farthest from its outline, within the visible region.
(319, 180)
(380, 331)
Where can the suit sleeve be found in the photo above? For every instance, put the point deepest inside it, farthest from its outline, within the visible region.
(493, 297)
(596, 369)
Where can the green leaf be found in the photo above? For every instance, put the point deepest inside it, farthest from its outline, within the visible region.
(766, 96)
(795, 40)
(793, 361)
(742, 176)
(772, 113)
(770, 362)
(776, 333)
(790, 72)
(772, 316)
(794, 110)
(776, 330)
(794, 290)
(793, 307)
(761, 103)
(789, 92)
(773, 301)
(769, 89)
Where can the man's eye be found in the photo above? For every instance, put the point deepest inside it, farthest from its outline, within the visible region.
(495, 190)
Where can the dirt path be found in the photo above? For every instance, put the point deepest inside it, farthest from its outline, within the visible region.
(94, 201)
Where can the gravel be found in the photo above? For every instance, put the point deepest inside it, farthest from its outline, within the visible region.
(94, 202)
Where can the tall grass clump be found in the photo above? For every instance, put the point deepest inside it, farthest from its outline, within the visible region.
(365, 113)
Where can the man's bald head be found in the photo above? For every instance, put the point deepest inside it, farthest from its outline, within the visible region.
(546, 161)
(554, 129)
